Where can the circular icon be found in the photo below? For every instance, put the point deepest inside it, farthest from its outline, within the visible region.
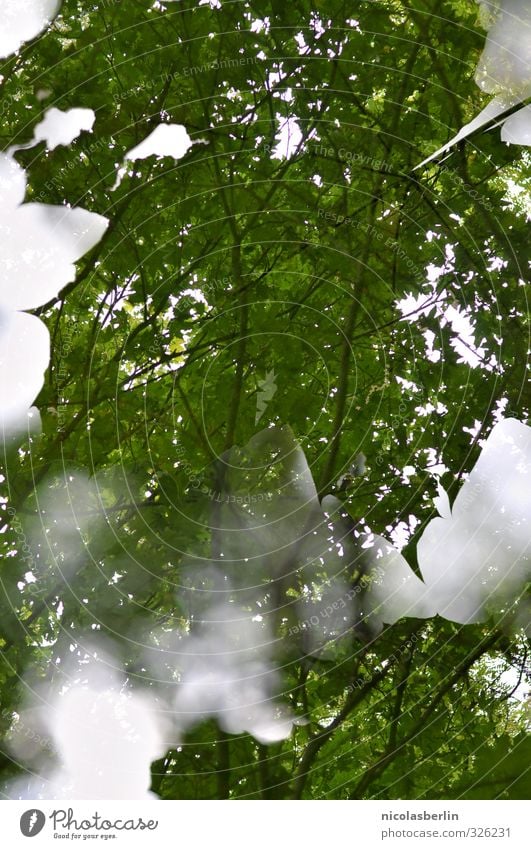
(32, 822)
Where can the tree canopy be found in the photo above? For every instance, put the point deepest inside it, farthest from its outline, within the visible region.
(289, 271)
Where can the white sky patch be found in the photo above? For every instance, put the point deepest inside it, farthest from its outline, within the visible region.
(197, 294)
(405, 474)
(434, 464)
(301, 44)
(473, 431)
(464, 344)
(233, 94)
(261, 25)
(401, 533)
(518, 196)
(275, 77)
(289, 137)
(501, 406)
(407, 384)
(352, 22)
(428, 408)
(412, 306)
(247, 119)
(432, 355)
(496, 263)
(22, 20)
(516, 684)
(506, 674)
(59, 128)
(316, 25)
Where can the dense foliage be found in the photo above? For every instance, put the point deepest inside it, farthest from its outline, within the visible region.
(243, 265)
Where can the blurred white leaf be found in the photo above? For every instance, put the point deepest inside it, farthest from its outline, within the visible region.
(24, 357)
(504, 69)
(59, 128)
(165, 140)
(392, 589)
(22, 20)
(492, 110)
(39, 245)
(102, 735)
(442, 503)
(517, 128)
(480, 553)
